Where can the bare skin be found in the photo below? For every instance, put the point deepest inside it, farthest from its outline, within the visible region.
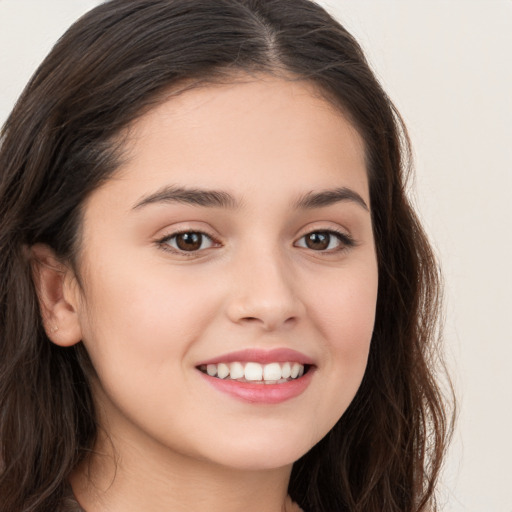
(285, 259)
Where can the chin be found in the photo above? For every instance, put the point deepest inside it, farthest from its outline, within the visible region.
(264, 452)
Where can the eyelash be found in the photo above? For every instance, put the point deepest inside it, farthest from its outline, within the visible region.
(345, 240)
(164, 242)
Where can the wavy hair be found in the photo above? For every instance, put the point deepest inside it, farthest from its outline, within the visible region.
(62, 141)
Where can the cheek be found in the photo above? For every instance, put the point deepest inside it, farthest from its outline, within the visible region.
(346, 310)
(345, 313)
(138, 334)
(142, 318)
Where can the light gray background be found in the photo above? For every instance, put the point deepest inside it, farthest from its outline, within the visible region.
(447, 64)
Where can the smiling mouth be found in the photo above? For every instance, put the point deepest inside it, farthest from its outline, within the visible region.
(256, 373)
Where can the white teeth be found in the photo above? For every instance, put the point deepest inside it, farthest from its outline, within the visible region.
(222, 370)
(253, 371)
(271, 373)
(236, 370)
(286, 370)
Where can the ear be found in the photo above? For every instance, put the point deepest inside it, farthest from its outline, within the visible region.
(58, 293)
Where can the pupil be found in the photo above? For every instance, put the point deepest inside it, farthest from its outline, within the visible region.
(189, 241)
(318, 241)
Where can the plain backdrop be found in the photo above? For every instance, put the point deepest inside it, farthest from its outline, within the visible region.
(447, 64)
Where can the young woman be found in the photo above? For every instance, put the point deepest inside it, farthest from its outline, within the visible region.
(214, 293)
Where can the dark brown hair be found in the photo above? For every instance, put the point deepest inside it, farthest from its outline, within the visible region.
(59, 144)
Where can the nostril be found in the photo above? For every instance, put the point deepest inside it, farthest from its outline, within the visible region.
(268, 322)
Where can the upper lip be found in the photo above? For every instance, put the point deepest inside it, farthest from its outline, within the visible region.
(256, 355)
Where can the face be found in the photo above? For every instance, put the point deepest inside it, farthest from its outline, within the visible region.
(230, 277)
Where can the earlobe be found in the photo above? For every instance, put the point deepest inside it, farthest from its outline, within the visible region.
(57, 291)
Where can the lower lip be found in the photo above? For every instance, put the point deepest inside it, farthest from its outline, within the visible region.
(261, 393)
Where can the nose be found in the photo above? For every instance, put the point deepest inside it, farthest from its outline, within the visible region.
(264, 293)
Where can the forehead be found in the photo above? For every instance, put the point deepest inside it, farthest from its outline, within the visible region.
(237, 136)
(246, 127)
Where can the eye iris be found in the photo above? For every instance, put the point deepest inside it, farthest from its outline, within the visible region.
(318, 241)
(189, 241)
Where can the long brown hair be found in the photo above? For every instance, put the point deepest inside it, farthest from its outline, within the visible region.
(59, 144)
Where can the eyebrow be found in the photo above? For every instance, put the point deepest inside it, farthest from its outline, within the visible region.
(329, 197)
(192, 196)
(221, 199)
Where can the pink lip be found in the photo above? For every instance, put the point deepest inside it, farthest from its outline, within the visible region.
(278, 355)
(261, 393)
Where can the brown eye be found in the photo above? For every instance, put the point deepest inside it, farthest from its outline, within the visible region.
(189, 241)
(325, 241)
(318, 241)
